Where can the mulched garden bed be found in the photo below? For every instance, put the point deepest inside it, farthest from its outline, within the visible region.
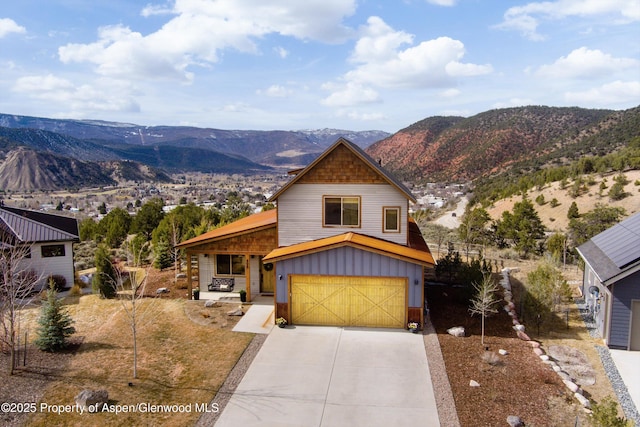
(518, 383)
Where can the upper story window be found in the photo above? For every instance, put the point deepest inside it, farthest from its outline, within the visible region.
(229, 265)
(341, 211)
(391, 219)
(50, 251)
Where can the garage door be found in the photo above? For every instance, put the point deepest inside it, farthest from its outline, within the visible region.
(348, 301)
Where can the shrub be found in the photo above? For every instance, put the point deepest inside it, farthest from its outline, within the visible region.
(554, 202)
(59, 282)
(605, 414)
(76, 290)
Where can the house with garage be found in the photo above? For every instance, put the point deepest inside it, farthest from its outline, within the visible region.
(611, 283)
(45, 239)
(340, 249)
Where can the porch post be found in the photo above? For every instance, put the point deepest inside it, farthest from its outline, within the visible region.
(189, 285)
(247, 270)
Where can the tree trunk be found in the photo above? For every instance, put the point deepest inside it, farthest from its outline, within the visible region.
(135, 352)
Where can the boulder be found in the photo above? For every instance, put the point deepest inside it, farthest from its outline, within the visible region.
(474, 383)
(534, 344)
(181, 276)
(211, 303)
(503, 352)
(457, 331)
(583, 400)
(92, 400)
(519, 327)
(514, 421)
(523, 336)
(162, 291)
(544, 357)
(538, 351)
(237, 312)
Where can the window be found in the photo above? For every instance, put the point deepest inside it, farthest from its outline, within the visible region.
(49, 251)
(391, 220)
(342, 211)
(230, 265)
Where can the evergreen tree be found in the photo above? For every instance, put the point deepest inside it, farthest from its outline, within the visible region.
(105, 279)
(54, 324)
(573, 211)
(162, 255)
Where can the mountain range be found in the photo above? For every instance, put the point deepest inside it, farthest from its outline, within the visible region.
(43, 153)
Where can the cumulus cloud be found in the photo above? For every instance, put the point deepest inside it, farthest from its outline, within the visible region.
(614, 93)
(585, 63)
(8, 26)
(282, 52)
(80, 99)
(527, 18)
(351, 93)
(200, 29)
(381, 60)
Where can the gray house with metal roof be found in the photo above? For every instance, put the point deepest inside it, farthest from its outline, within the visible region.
(49, 238)
(611, 282)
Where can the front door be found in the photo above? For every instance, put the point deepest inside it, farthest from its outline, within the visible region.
(267, 278)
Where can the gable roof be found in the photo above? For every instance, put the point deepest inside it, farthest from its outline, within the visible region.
(244, 225)
(615, 251)
(359, 152)
(28, 226)
(356, 240)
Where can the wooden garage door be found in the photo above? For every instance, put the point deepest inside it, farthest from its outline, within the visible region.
(348, 301)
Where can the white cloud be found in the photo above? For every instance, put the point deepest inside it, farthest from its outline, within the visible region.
(443, 2)
(351, 93)
(8, 26)
(362, 117)
(527, 18)
(275, 91)
(514, 102)
(200, 29)
(79, 99)
(607, 95)
(382, 62)
(586, 64)
(282, 52)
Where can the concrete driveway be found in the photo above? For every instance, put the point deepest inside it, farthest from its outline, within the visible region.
(329, 376)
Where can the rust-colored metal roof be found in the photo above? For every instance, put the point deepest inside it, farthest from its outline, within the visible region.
(356, 240)
(247, 224)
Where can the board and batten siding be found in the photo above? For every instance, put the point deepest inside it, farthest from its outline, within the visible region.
(348, 261)
(300, 212)
(624, 291)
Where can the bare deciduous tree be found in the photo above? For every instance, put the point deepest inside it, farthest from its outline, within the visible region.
(17, 284)
(485, 299)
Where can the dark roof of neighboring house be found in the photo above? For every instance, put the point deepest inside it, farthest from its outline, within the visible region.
(362, 155)
(615, 250)
(29, 226)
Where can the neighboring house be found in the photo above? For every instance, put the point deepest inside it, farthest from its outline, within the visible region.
(340, 249)
(49, 237)
(611, 283)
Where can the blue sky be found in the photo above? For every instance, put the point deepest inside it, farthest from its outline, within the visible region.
(285, 64)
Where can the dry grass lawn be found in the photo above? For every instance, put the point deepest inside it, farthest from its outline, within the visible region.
(179, 362)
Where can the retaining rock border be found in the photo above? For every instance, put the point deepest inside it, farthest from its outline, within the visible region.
(510, 308)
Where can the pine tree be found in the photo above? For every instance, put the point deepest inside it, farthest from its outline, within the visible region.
(54, 324)
(104, 280)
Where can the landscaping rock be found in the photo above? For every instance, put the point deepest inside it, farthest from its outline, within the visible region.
(211, 303)
(181, 276)
(571, 386)
(575, 363)
(534, 344)
(583, 400)
(514, 421)
(564, 376)
(544, 358)
(92, 400)
(538, 351)
(474, 383)
(236, 312)
(523, 336)
(503, 352)
(457, 331)
(162, 291)
(519, 328)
